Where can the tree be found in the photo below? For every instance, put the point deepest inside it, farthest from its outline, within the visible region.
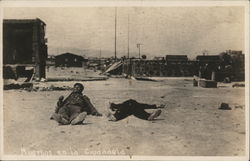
(144, 57)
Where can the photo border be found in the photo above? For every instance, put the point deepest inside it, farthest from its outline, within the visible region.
(130, 3)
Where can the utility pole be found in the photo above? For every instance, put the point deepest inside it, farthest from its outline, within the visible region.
(139, 47)
(115, 29)
(128, 35)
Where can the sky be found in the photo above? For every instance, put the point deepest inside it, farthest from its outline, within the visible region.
(161, 30)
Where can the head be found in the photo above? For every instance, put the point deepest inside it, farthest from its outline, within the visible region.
(78, 88)
(113, 106)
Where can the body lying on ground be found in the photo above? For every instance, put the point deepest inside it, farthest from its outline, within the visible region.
(131, 107)
(74, 109)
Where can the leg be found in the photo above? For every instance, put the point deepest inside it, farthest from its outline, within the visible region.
(76, 115)
(64, 112)
(141, 113)
(144, 106)
(58, 118)
(62, 117)
(154, 115)
(73, 111)
(78, 118)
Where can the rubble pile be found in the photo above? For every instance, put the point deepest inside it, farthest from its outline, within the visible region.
(18, 86)
(28, 86)
(238, 85)
(52, 88)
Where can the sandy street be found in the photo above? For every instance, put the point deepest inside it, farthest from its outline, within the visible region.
(190, 125)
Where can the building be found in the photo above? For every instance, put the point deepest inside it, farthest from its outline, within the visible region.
(158, 68)
(158, 58)
(100, 63)
(236, 61)
(207, 65)
(206, 59)
(94, 62)
(176, 58)
(24, 48)
(50, 60)
(229, 64)
(69, 60)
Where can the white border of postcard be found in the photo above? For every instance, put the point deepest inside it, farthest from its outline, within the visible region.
(131, 3)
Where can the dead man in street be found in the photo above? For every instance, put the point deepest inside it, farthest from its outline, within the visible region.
(74, 109)
(131, 107)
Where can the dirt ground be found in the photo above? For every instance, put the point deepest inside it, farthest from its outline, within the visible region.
(190, 125)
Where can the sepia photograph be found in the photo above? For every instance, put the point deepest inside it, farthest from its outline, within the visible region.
(132, 80)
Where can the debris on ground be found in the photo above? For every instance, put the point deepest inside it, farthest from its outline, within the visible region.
(238, 85)
(195, 83)
(161, 106)
(187, 80)
(238, 106)
(53, 88)
(43, 80)
(17, 86)
(116, 76)
(77, 79)
(133, 78)
(208, 84)
(145, 79)
(224, 106)
(12, 84)
(22, 79)
(114, 69)
(227, 80)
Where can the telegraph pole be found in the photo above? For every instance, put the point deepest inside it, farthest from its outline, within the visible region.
(139, 47)
(128, 36)
(115, 29)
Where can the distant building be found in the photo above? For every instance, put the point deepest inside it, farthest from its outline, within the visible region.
(158, 68)
(158, 58)
(235, 59)
(229, 64)
(24, 47)
(176, 58)
(98, 63)
(50, 61)
(69, 60)
(205, 59)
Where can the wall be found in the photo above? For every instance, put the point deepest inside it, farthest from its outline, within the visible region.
(156, 68)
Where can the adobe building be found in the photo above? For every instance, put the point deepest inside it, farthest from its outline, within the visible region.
(69, 60)
(24, 48)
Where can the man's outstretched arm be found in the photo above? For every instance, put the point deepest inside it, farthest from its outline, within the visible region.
(59, 104)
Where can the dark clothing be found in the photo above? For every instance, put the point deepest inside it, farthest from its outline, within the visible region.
(69, 112)
(131, 107)
(73, 105)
